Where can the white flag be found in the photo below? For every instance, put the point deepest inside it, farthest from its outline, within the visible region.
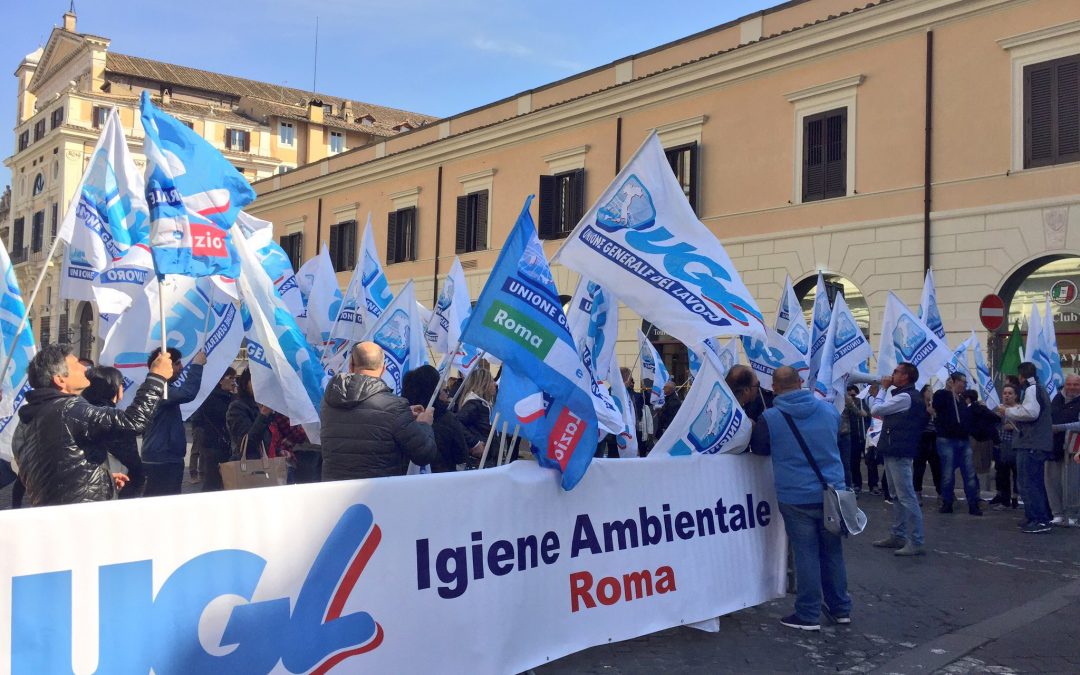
(643, 242)
(905, 338)
(820, 318)
(319, 284)
(1048, 337)
(627, 438)
(709, 421)
(593, 317)
(652, 368)
(452, 310)
(767, 355)
(14, 385)
(400, 333)
(274, 260)
(846, 349)
(377, 293)
(986, 382)
(789, 318)
(928, 309)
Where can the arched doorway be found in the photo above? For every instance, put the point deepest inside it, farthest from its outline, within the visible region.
(1056, 277)
(806, 291)
(86, 331)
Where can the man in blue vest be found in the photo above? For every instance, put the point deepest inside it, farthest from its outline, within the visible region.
(819, 554)
(903, 417)
(1033, 443)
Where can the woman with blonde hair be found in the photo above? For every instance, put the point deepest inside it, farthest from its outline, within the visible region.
(474, 412)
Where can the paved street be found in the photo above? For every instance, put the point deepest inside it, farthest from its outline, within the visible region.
(985, 598)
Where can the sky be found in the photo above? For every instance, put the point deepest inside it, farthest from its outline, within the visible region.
(436, 57)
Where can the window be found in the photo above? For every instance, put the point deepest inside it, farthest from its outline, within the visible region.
(24, 140)
(39, 129)
(284, 168)
(328, 108)
(824, 171)
(1052, 112)
(401, 236)
(343, 245)
(45, 335)
(337, 141)
(101, 115)
(190, 125)
(57, 117)
(62, 331)
(37, 232)
(237, 139)
(286, 133)
(683, 161)
(17, 242)
(472, 222)
(293, 245)
(39, 183)
(53, 224)
(562, 202)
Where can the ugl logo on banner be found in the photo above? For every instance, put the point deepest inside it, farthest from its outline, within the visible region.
(139, 630)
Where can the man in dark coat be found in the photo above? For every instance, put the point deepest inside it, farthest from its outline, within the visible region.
(164, 444)
(368, 431)
(209, 432)
(671, 406)
(56, 425)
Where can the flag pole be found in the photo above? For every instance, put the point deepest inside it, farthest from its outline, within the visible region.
(457, 394)
(161, 311)
(502, 443)
(513, 442)
(442, 378)
(487, 444)
(29, 305)
(209, 311)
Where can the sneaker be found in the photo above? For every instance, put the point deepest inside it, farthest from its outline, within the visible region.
(998, 499)
(945, 508)
(888, 500)
(1058, 520)
(840, 618)
(1072, 522)
(1036, 528)
(975, 511)
(910, 549)
(875, 491)
(892, 541)
(795, 622)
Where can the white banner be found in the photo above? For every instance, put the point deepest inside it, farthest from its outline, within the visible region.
(345, 573)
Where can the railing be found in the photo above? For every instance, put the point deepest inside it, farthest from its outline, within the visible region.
(22, 256)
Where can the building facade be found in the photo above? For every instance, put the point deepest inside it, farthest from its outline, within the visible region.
(865, 141)
(66, 90)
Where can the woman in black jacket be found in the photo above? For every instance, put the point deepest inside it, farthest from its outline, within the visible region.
(474, 413)
(105, 390)
(417, 387)
(209, 430)
(246, 418)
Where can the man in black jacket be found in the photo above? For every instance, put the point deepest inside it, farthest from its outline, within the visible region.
(56, 425)
(952, 421)
(368, 431)
(671, 406)
(209, 433)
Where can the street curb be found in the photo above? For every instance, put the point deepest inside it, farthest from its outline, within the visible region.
(942, 651)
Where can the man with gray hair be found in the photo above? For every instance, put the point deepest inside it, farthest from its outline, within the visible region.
(800, 432)
(367, 430)
(1063, 470)
(58, 463)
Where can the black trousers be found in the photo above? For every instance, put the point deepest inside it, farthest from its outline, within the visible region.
(163, 478)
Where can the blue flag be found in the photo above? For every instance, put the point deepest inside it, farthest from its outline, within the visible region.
(194, 195)
(520, 319)
(12, 310)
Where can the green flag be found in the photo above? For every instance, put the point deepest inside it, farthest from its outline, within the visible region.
(1010, 360)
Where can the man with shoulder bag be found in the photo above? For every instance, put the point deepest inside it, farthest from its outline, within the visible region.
(800, 433)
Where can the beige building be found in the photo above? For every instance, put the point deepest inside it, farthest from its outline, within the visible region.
(866, 141)
(65, 91)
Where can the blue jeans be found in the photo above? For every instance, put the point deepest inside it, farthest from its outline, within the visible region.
(819, 562)
(907, 514)
(955, 453)
(1030, 467)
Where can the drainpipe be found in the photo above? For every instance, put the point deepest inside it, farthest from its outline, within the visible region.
(438, 237)
(927, 165)
(318, 227)
(618, 145)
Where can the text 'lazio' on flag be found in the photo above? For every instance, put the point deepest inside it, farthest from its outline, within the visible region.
(709, 421)
(194, 195)
(14, 385)
(107, 217)
(519, 318)
(642, 241)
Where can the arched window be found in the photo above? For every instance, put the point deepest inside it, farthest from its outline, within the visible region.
(1058, 278)
(806, 290)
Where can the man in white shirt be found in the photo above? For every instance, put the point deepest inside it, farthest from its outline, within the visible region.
(1032, 442)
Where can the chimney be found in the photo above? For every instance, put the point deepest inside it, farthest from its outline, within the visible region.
(315, 111)
(166, 97)
(69, 18)
(347, 110)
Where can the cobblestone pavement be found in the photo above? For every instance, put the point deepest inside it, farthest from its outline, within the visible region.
(978, 571)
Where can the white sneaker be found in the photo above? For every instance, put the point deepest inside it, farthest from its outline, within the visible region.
(1058, 520)
(1073, 522)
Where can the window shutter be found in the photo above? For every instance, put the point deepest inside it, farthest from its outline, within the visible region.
(460, 243)
(412, 234)
(481, 220)
(836, 154)
(813, 158)
(335, 246)
(228, 138)
(353, 248)
(578, 185)
(1038, 117)
(391, 237)
(1067, 79)
(548, 207)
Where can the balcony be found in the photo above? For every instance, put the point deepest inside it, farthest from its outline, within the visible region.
(38, 256)
(20, 256)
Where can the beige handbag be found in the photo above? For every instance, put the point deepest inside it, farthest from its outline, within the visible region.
(263, 472)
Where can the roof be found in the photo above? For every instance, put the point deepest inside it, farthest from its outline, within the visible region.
(267, 99)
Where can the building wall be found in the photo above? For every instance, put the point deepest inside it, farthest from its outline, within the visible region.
(990, 216)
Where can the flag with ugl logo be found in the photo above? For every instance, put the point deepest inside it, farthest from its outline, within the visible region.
(928, 309)
(400, 333)
(519, 318)
(982, 371)
(377, 295)
(906, 338)
(593, 317)
(643, 242)
(767, 355)
(789, 318)
(709, 421)
(820, 318)
(846, 348)
(194, 195)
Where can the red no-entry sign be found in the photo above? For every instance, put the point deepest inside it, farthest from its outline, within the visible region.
(992, 312)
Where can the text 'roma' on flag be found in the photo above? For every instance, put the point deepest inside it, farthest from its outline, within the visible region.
(642, 241)
(194, 195)
(519, 318)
